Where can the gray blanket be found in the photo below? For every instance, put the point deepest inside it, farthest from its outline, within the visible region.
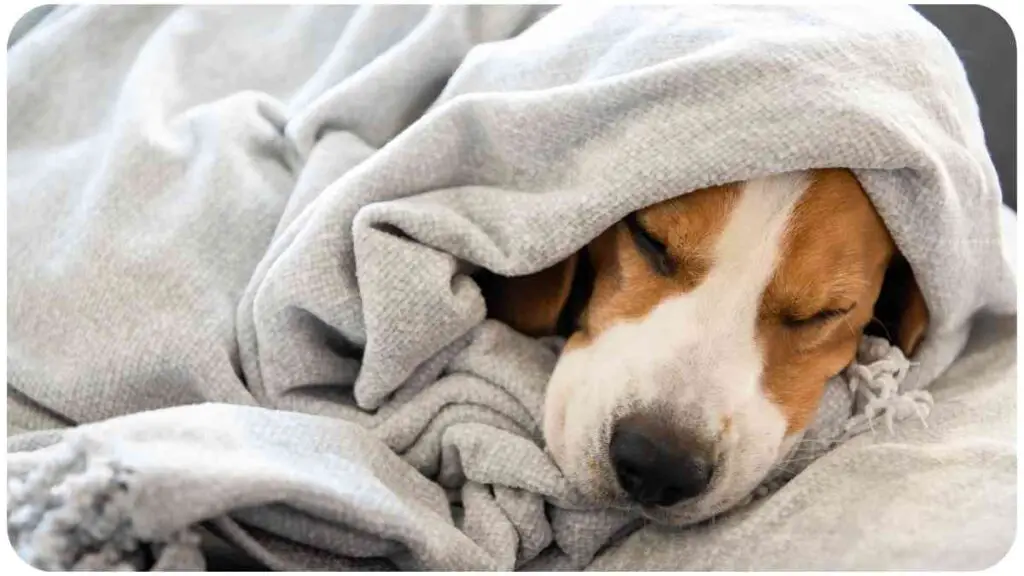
(241, 243)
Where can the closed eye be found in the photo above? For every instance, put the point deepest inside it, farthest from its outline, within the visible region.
(819, 318)
(653, 250)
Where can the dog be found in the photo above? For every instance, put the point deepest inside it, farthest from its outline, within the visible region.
(701, 332)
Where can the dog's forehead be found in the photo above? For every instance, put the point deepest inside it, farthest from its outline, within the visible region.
(693, 219)
(727, 243)
(742, 227)
(827, 221)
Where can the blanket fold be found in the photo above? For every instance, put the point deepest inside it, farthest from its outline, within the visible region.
(242, 244)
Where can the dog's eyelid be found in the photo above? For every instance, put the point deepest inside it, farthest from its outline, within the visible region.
(653, 249)
(820, 317)
(638, 230)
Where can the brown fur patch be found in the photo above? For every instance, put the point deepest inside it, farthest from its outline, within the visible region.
(531, 304)
(625, 285)
(913, 320)
(833, 256)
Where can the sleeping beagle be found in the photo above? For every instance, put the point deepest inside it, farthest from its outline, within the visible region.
(701, 333)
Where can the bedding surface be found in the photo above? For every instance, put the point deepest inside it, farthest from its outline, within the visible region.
(240, 295)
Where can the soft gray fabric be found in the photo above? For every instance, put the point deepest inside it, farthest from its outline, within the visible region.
(276, 211)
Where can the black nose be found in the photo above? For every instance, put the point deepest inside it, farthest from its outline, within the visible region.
(652, 471)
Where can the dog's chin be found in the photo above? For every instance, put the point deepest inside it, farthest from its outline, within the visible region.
(700, 509)
(722, 498)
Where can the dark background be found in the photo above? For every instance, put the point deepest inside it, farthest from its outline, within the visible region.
(988, 50)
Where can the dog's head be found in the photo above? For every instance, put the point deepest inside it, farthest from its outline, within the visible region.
(701, 333)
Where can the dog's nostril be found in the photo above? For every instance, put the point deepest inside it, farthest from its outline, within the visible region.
(654, 473)
(630, 479)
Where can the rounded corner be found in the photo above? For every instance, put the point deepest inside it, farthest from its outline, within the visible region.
(10, 556)
(999, 16)
(1010, 558)
(27, 20)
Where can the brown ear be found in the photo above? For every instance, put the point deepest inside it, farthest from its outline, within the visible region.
(531, 304)
(901, 309)
(914, 319)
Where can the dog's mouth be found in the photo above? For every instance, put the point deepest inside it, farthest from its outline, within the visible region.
(719, 500)
(606, 491)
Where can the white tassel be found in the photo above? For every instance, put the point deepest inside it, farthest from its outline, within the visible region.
(875, 380)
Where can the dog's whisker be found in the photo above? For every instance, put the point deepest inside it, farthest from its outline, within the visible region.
(812, 442)
(799, 460)
(846, 321)
(812, 446)
(875, 320)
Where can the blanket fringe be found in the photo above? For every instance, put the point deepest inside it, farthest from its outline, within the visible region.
(877, 382)
(74, 513)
